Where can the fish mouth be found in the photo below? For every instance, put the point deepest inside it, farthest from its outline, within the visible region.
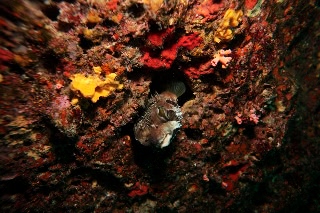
(170, 128)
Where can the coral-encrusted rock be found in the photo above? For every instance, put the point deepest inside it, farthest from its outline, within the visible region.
(239, 147)
(65, 116)
(134, 99)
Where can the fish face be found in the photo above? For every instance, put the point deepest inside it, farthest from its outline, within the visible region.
(160, 121)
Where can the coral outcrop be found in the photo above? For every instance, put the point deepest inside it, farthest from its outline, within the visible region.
(78, 77)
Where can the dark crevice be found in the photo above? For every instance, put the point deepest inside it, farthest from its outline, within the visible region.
(136, 42)
(218, 110)
(237, 41)
(64, 27)
(50, 61)
(136, 10)
(152, 160)
(126, 130)
(301, 36)
(154, 26)
(193, 134)
(7, 9)
(249, 132)
(51, 11)
(108, 23)
(16, 68)
(14, 186)
(91, 25)
(212, 157)
(213, 187)
(138, 73)
(161, 80)
(85, 43)
(62, 145)
(104, 179)
(27, 142)
(233, 169)
(103, 125)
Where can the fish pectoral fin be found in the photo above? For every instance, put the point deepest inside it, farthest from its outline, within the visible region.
(166, 141)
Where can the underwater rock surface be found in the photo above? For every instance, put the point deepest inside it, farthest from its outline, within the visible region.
(248, 121)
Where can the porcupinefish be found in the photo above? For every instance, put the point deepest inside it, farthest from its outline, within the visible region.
(162, 117)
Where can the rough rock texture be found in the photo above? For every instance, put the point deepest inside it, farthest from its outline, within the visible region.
(249, 139)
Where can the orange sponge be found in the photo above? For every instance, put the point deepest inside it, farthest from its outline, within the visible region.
(230, 20)
(93, 87)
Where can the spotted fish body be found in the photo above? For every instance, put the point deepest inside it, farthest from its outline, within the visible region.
(161, 119)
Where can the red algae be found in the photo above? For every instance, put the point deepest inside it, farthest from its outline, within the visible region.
(5, 55)
(157, 38)
(208, 8)
(168, 55)
(196, 72)
(190, 41)
(139, 190)
(250, 4)
(112, 4)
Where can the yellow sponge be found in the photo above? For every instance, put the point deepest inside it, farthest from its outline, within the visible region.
(231, 19)
(93, 87)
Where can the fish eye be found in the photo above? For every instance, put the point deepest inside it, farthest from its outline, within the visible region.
(170, 102)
